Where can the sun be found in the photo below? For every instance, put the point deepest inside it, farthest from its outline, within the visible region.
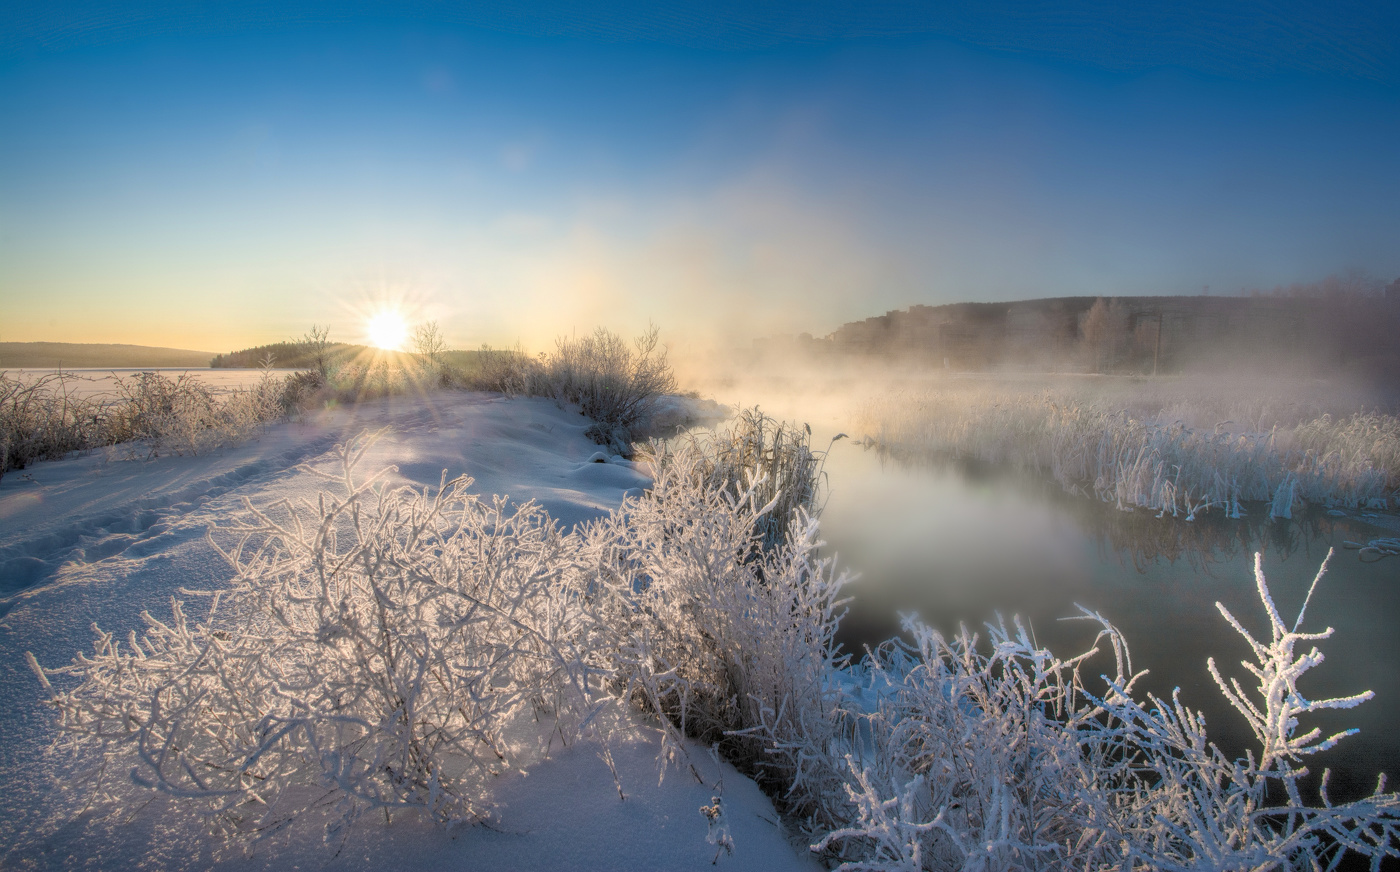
(387, 330)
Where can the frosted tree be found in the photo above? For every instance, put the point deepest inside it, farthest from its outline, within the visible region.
(1104, 330)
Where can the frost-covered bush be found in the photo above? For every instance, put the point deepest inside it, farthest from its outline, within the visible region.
(185, 415)
(725, 637)
(999, 757)
(789, 473)
(47, 417)
(613, 383)
(44, 419)
(509, 371)
(374, 650)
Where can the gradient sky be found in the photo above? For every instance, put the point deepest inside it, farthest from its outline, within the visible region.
(219, 176)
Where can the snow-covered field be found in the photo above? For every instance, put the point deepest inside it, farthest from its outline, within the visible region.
(101, 538)
(97, 382)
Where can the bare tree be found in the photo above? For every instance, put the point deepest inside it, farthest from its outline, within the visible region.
(316, 345)
(431, 348)
(1104, 329)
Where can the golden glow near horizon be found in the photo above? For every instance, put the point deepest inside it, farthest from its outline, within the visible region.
(387, 329)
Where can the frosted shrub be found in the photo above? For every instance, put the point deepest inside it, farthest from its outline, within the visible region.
(613, 383)
(1003, 760)
(43, 419)
(509, 371)
(713, 631)
(780, 454)
(374, 649)
(610, 381)
(185, 415)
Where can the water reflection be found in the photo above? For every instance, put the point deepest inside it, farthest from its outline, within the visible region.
(959, 542)
(1138, 538)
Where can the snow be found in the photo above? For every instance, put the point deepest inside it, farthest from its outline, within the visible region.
(105, 536)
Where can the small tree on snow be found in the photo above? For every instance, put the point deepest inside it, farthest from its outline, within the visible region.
(430, 347)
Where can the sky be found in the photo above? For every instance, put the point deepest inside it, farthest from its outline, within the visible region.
(221, 175)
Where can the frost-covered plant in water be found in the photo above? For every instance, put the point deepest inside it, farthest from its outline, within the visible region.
(1136, 456)
(1002, 759)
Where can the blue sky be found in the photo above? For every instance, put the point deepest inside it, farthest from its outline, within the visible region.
(226, 175)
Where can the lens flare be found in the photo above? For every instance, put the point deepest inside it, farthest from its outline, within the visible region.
(386, 329)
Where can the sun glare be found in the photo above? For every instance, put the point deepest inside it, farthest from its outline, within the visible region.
(387, 330)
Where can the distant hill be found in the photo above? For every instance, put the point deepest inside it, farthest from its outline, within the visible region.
(1312, 334)
(283, 355)
(291, 355)
(17, 355)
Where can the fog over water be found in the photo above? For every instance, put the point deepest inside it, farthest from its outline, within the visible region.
(959, 541)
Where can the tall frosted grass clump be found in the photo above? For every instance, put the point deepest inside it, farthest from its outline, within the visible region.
(1149, 461)
(725, 635)
(378, 650)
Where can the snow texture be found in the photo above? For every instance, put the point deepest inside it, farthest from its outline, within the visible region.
(100, 539)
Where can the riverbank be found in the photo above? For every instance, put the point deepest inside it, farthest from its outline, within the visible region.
(101, 538)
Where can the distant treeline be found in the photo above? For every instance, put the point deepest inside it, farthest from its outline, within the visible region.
(75, 355)
(1304, 333)
(278, 355)
(296, 355)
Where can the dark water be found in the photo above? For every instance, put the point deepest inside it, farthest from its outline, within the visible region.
(959, 543)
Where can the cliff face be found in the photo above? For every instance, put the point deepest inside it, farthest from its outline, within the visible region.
(1130, 334)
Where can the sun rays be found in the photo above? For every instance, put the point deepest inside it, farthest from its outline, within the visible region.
(387, 329)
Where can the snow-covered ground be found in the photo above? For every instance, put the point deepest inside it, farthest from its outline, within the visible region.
(101, 538)
(100, 382)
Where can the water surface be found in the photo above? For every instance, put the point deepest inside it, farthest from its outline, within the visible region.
(962, 542)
